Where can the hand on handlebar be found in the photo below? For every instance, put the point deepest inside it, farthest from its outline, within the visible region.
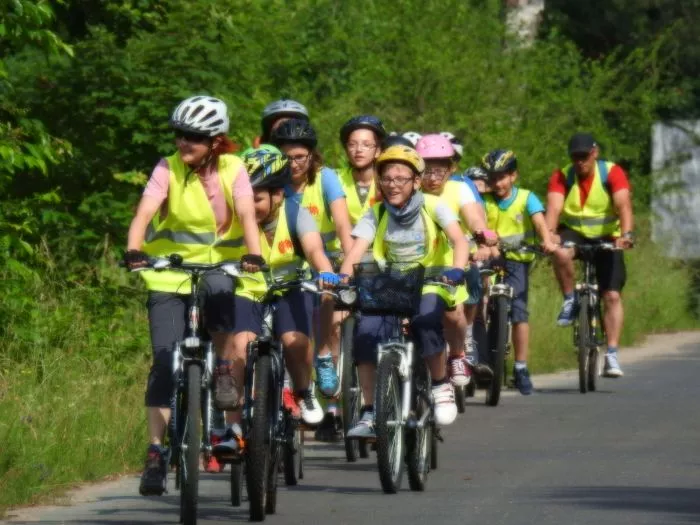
(328, 280)
(486, 237)
(549, 247)
(135, 259)
(453, 276)
(482, 253)
(252, 263)
(624, 243)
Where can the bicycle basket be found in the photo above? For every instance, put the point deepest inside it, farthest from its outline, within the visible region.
(389, 288)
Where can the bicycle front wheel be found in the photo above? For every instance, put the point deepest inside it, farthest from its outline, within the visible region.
(388, 424)
(498, 343)
(191, 447)
(594, 357)
(258, 445)
(583, 331)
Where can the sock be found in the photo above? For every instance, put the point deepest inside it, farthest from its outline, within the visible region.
(612, 350)
(367, 408)
(440, 382)
(332, 408)
(470, 331)
(569, 296)
(520, 365)
(235, 428)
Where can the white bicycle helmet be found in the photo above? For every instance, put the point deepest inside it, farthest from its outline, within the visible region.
(413, 136)
(456, 143)
(201, 114)
(288, 108)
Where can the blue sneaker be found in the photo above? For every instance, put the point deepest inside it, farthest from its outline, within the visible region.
(522, 381)
(566, 314)
(326, 378)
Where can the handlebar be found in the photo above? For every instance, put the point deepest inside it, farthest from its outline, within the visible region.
(174, 262)
(591, 246)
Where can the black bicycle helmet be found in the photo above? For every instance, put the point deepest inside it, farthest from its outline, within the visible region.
(476, 173)
(499, 161)
(267, 166)
(369, 122)
(295, 131)
(397, 140)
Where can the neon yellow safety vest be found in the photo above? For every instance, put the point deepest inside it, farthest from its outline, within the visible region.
(438, 252)
(355, 206)
(450, 194)
(513, 225)
(189, 228)
(280, 257)
(314, 202)
(597, 217)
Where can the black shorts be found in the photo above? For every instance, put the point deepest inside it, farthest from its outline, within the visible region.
(610, 270)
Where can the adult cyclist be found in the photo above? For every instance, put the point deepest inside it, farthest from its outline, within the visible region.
(590, 200)
(202, 203)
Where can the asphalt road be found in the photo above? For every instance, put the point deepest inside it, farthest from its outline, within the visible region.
(627, 454)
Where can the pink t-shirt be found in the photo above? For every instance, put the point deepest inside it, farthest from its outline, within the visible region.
(158, 184)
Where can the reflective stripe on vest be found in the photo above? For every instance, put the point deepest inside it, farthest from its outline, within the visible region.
(513, 225)
(189, 227)
(597, 217)
(315, 203)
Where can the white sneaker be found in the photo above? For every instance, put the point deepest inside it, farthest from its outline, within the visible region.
(311, 411)
(612, 367)
(445, 407)
(460, 372)
(364, 427)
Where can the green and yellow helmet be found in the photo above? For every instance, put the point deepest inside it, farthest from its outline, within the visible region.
(267, 166)
(499, 161)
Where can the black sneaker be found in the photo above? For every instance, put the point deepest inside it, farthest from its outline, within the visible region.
(328, 431)
(153, 479)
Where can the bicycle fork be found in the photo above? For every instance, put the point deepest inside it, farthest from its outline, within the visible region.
(405, 370)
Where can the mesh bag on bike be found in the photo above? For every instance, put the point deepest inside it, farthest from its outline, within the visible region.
(389, 288)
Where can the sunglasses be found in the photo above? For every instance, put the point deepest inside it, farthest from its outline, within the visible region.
(194, 138)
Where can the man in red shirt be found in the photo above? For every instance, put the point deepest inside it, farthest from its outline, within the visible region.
(590, 200)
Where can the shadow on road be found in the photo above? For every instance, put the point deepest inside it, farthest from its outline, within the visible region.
(679, 501)
(570, 391)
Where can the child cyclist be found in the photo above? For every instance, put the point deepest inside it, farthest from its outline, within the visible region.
(516, 215)
(439, 153)
(320, 193)
(286, 250)
(361, 137)
(408, 227)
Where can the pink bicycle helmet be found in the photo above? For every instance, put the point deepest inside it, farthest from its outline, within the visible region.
(435, 146)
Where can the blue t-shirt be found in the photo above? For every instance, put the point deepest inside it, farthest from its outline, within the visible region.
(460, 177)
(533, 205)
(332, 190)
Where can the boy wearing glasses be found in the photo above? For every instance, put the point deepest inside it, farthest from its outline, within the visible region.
(590, 200)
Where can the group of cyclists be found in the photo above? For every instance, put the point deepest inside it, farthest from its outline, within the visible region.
(402, 198)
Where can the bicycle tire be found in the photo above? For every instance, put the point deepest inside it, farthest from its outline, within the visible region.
(419, 441)
(582, 342)
(291, 451)
(236, 483)
(189, 493)
(271, 501)
(594, 357)
(390, 461)
(498, 342)
(258, 441)
(434, 450)
(461, 398)
(350, 393)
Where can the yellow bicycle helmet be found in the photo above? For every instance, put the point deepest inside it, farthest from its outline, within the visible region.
(404, 155)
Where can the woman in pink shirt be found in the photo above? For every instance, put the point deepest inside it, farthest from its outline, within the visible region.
(205, 212)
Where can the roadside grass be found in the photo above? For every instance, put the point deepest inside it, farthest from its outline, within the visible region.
(74, 360)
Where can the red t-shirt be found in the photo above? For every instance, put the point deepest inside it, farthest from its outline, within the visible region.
(617, 180)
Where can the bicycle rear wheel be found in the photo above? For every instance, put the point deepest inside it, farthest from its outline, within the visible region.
(388, 425)
(192, 444)
(583, 346)
(419, 440)
(498, 342)
(258, 441)
(292, 452)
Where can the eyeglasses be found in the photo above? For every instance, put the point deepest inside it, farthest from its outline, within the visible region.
(299, 159)
(398, 181)
(438, 173)
(194, 138)
(353, 146)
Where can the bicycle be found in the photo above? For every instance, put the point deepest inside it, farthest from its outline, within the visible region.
(271, 433)
(589, 331)
(498, 324)
(404, 410)
(189, 429)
